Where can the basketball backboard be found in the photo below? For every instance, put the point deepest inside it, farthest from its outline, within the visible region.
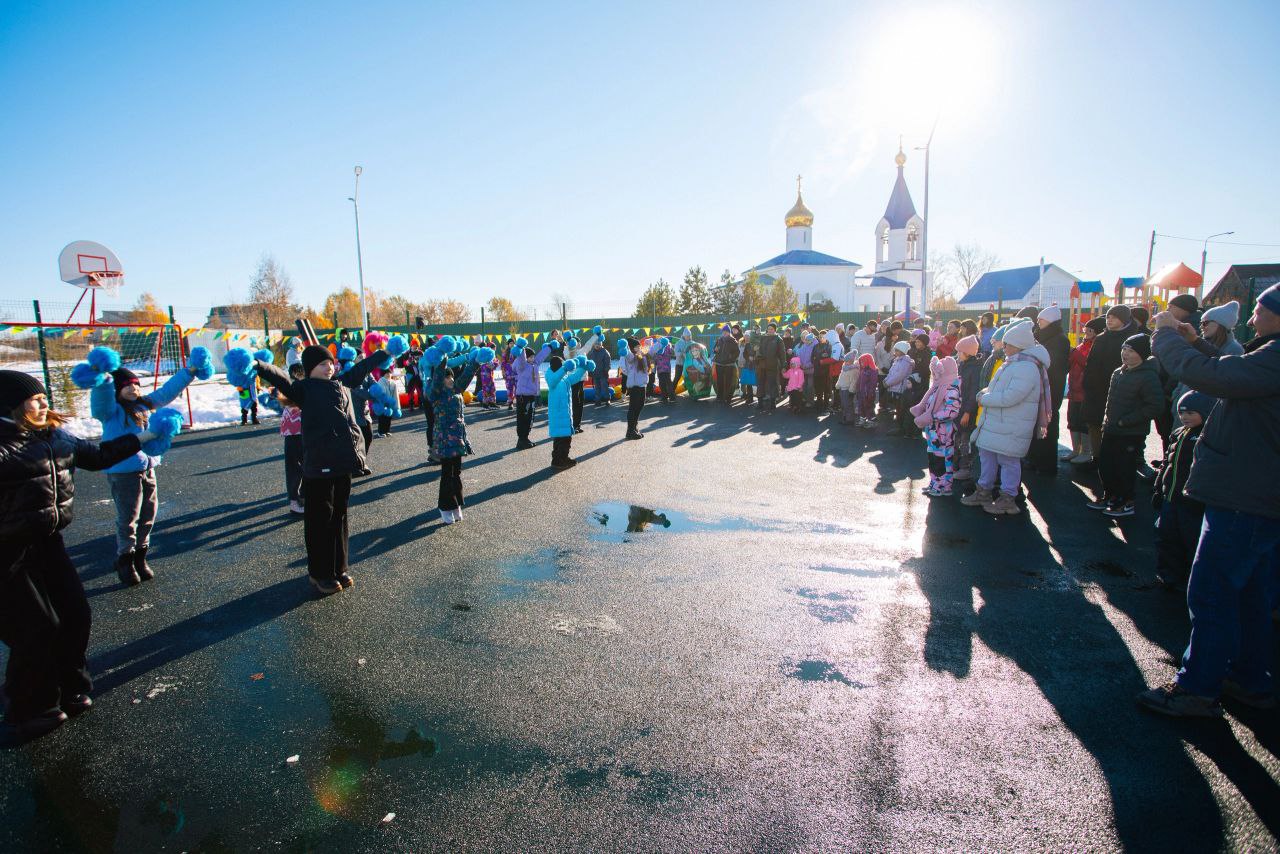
(80, 258)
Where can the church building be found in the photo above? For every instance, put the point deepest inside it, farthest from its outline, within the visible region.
(898, 269)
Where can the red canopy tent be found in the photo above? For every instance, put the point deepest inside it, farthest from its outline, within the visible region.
(1174, 277)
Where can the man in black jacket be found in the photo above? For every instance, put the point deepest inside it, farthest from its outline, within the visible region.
(1043, 454)
(726, 362)
(333, 453)
(769, 358)
(1104, 358)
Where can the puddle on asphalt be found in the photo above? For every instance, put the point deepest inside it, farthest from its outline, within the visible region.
(520, 573)
(615, 521)
(816, 670)
(829, 607)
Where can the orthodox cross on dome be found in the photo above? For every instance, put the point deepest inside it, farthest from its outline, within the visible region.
(799, 215)
(798, 177)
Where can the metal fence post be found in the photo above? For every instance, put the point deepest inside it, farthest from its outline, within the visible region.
(171, 320)
(266, 328)
(44, 356)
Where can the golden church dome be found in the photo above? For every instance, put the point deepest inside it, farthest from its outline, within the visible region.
(799, 214)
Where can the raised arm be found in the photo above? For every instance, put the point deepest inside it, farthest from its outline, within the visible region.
(281, 382)
(1255, 374)
(355, 375)
(96, 456)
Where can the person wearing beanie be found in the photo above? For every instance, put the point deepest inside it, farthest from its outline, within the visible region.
(44, 614)
(1104, 359)
(333, 452)
(970, 366)
(1043, 454)
(1233, 475)
(293, 356)
(561, 376)
(1179, 516)
(771, 355)
(725, 359)
(947, 343)
(897, 384)
(635, 366)
(1028, 312)
(1140, 316)
(1081, 447)
(1186, 308)
(528, 385)
(936, 414)
(449, 378)
(121, 407)
(1015, 408)
(1134, 398)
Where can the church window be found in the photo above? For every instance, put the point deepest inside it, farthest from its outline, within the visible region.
(912, 235)
(884, 245)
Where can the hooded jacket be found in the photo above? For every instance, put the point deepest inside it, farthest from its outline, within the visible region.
(1234, 465)
(449, 436)
(794, 375)
(116, 421)
(1010, 405)
(970, 385)
(1133, 399)
(1055, 341)
(527, 384)
(37, 482)
(727, 351)
(771, 353)
(1075, 371)
(559, 409)
(1104, 358)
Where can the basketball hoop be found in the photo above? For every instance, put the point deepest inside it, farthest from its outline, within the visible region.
(108, 282)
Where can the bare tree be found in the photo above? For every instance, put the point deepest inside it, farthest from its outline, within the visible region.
(959, 270)
(272, 289)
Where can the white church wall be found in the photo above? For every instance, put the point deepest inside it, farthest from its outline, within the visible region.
(799, 237)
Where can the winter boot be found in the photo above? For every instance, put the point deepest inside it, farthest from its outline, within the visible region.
(124, 569)
(140, 564)
(1004, 505)
(244, 418)
(978, 498)
(1085, 456)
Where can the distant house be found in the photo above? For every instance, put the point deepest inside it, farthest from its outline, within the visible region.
(1243, 283)
(246, 315)
(1019, 287)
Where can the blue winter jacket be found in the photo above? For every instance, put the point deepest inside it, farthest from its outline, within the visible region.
(116, 422)
(559, 387)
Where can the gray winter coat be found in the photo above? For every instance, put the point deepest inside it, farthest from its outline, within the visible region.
(1010, 405)
(1235, 459)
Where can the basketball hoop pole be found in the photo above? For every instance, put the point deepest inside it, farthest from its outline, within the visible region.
(355, 203)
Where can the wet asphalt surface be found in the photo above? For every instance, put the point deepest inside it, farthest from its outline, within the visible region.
(801, 652)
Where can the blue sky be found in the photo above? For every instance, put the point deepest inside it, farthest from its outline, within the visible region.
(522, 149)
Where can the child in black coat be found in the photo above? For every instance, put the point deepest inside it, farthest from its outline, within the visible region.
(1180, 516)
(44, 615)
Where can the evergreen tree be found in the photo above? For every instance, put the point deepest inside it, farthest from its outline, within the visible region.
(727, 297)
(782, 297)
(695, 296)
(658, 301)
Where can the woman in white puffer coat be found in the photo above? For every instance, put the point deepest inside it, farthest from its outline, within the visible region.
(1013, 408)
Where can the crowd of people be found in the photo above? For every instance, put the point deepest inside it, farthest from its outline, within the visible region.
(984, 399)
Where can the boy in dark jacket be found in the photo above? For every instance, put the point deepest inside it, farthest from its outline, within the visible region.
(1104, 358)
(333, 453)
(1134, 399)
(1178, 525)
(771, 355)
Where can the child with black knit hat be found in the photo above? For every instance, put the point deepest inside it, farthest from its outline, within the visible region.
(1134, 398)
(1180, 515)
(333, 453)
(44, 615)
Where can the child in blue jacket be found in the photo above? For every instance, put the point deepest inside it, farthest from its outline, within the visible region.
(561, 376)
(122, 408)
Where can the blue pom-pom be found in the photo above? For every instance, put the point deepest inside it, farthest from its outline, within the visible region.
(398, 345)
(485, 355)
(463, 345)
(665, 341)
(432, 356)
(566, 334)
(238, 359)
(85, 375)
(554, 345)
(521, 343)
(447, 344)
(571, 343)
(457, 361)
(264, 355)
(580, 361)
(265, 399)
(622, 347)
(103, 359)
(590, 366)
(166, 422)
(597, 330)
(201, 363)
(157, 447)
(347, 353)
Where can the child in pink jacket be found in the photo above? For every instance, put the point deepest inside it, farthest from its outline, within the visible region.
(795, 384)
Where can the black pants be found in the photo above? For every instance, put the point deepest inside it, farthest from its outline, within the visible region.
(768, 378)
(560, 446)
(666, 385)
(1177, 536)
(821, 387)
(635, 402)
(1118, 465)
(429, 413)
(384, 423)
(1043, 454)
(325, 524)
(293, 451)
(577, 397)
(366, 430)
(524, 415)
(1164, 424)
(413, 388)
(245, 413)
(726, 382)
(450, 483)
(44, 620)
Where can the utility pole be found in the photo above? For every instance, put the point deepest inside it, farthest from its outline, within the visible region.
(355, 203)
(1151, 251)
(924, 238)
(1204, 257)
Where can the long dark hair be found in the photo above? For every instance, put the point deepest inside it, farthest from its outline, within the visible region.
(52, 420)
(139, 410)
(1219, 338)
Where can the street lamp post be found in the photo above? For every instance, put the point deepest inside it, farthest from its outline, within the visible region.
(924, 238)
(1204, 257)
(355, 203)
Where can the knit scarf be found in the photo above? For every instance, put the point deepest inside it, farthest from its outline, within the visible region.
(1044, 412)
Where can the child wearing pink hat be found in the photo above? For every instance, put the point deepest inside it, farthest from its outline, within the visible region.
(936, 414)
(970, 367)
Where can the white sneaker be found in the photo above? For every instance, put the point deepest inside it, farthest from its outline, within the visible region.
(1081, 459)
(295, 507)
(446, 516)
(457, 515)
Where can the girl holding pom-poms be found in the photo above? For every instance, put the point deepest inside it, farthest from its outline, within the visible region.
(117, 401)
(449, 375)
(44, 615)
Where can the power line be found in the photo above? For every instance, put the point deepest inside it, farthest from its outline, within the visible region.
(1218, 242)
